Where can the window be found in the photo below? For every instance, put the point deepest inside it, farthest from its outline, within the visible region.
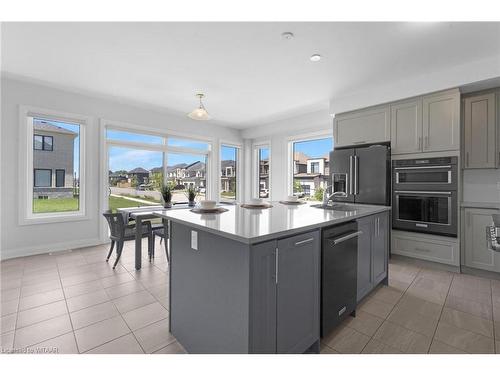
(50, 182)
(262, 171)
(43, 178)
(60, 177)
(229, 173)
(43, 142)
(139, 165)
(310, 167)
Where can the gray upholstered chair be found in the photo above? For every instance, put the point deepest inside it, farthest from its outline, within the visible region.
(162, 232)
(121, 232)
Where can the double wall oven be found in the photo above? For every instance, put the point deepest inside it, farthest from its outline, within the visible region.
(425, 195)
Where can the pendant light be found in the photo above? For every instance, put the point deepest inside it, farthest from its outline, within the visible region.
(199, 113)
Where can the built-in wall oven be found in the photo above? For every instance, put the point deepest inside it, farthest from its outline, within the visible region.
(425, 195)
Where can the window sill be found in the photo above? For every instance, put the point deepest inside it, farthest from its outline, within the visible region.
(53, 218)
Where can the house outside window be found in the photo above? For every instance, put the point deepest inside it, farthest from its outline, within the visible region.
(42, 177)
(43, 142)
(229, 173)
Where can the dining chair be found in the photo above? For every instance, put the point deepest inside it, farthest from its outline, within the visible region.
(161, 232)
(121, 232)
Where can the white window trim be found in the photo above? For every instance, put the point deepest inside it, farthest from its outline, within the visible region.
(300, 138)
(26, 215)
(239, 164)
(255, 168)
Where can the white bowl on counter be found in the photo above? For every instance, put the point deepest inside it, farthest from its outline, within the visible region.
(207, 204)
(256, 201)
(292, 198)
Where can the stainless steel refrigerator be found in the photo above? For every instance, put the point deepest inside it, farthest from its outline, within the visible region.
(363, 173)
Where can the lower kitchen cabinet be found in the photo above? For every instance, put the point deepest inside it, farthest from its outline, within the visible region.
(373, 252)
(285, 294)
(477, 254)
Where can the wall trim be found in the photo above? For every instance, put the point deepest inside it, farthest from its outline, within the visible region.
(42, 249)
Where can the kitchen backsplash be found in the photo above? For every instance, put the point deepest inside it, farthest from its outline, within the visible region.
(481, 185)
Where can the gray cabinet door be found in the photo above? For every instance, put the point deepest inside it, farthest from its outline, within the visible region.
(263, 298)
(298, 293)
(380, 247)
(480, 132)
(365, 278)
(406, 127)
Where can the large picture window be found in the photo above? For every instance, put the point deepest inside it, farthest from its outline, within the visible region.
(228, 173)
(262, 171)
(310, 167)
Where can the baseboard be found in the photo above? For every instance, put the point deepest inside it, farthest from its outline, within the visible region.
(481, 273)
(426, 263)
(45, 249)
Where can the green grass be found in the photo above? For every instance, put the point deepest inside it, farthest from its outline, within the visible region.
(55, 205)
(115, 202)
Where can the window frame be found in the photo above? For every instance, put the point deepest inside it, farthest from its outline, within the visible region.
(64, 177)
(43, 142)
(26, 171)
(34, 177)
(256, 169)
(322, 134)
(239, 188)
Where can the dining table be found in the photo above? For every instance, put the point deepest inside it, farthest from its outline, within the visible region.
(141, 214)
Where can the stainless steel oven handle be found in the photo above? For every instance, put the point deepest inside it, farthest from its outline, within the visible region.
(350, 189)
(423, 192)
(425, 167)
(336, 241)
(356, 187)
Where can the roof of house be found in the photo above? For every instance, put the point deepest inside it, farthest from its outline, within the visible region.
(139, 170)
(300, 157)
(48, 127)
(227, 163)
(176, 166)
(196, 166)
(156, 169)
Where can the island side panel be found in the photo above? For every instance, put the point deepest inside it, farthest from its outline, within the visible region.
(209, 301)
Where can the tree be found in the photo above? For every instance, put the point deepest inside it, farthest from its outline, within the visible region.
(318, 194)
(297, 187)
(133, 181)
(157, 180)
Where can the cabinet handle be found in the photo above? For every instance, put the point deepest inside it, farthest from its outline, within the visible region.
(420, 143)
(467, 159)
(422, 250)
(426, 142)
(359, 142)
(345, 238)
(304, 241)
(276, 258)
(468, 219)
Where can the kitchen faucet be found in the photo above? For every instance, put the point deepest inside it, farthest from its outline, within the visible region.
(327, 197)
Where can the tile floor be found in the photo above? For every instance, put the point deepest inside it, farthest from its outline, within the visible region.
(423, 311)
(73, 302)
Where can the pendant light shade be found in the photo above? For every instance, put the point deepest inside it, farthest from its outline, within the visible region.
(199, 113)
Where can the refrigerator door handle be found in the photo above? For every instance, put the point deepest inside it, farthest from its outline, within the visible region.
(350, 190)
(356, 165)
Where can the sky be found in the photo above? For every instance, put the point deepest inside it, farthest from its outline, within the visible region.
(315, 148)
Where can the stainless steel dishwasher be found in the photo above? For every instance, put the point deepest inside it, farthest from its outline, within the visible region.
(339, 259)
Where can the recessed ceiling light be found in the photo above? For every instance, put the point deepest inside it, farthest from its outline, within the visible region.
(287, 35)
(315, 57)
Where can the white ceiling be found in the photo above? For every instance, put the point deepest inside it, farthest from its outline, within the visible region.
(248, 72)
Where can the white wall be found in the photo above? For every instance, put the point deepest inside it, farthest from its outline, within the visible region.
(19, 240)
(279, 134)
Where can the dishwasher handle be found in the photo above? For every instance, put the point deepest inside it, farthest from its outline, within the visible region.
(336, 241)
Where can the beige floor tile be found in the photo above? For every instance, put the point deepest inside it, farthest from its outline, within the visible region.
(497, 329)
(87, 300)
(387, 294)
(155, 336)
(470, 294)
(435, 295)
(6, 342)
(123, 345)
(8, 323)
(346, 340)
(173, 348)
(496, 311)
(10, 284)
(133, 301)
(364, 322)
(376, 307)
(94, 314)
(121, 290)
(40, 299)
(414, 321)
(41, 313)
(469, 282)
(145, 315)
(116, 279)
(441, 277)
(420, 306)
(78, 279)
(497, 346)
(438, 347)
(64, 344)
(475, 308)
(10, 294)
(325, 349)
(462, 339)
(378, 347)
(46, 286)
(9, 307)
(402, 339)
(84, 288)
(100, 333)
(36, 333)
(467, 321)
(45, 277)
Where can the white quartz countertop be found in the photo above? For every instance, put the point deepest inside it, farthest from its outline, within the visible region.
(257, 225)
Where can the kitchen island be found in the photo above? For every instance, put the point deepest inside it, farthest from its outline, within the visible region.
(248, 280)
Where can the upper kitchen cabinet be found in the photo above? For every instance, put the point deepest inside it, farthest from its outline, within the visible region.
(365, 126)
(406, 127)
(441, 121)
(480, 132)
